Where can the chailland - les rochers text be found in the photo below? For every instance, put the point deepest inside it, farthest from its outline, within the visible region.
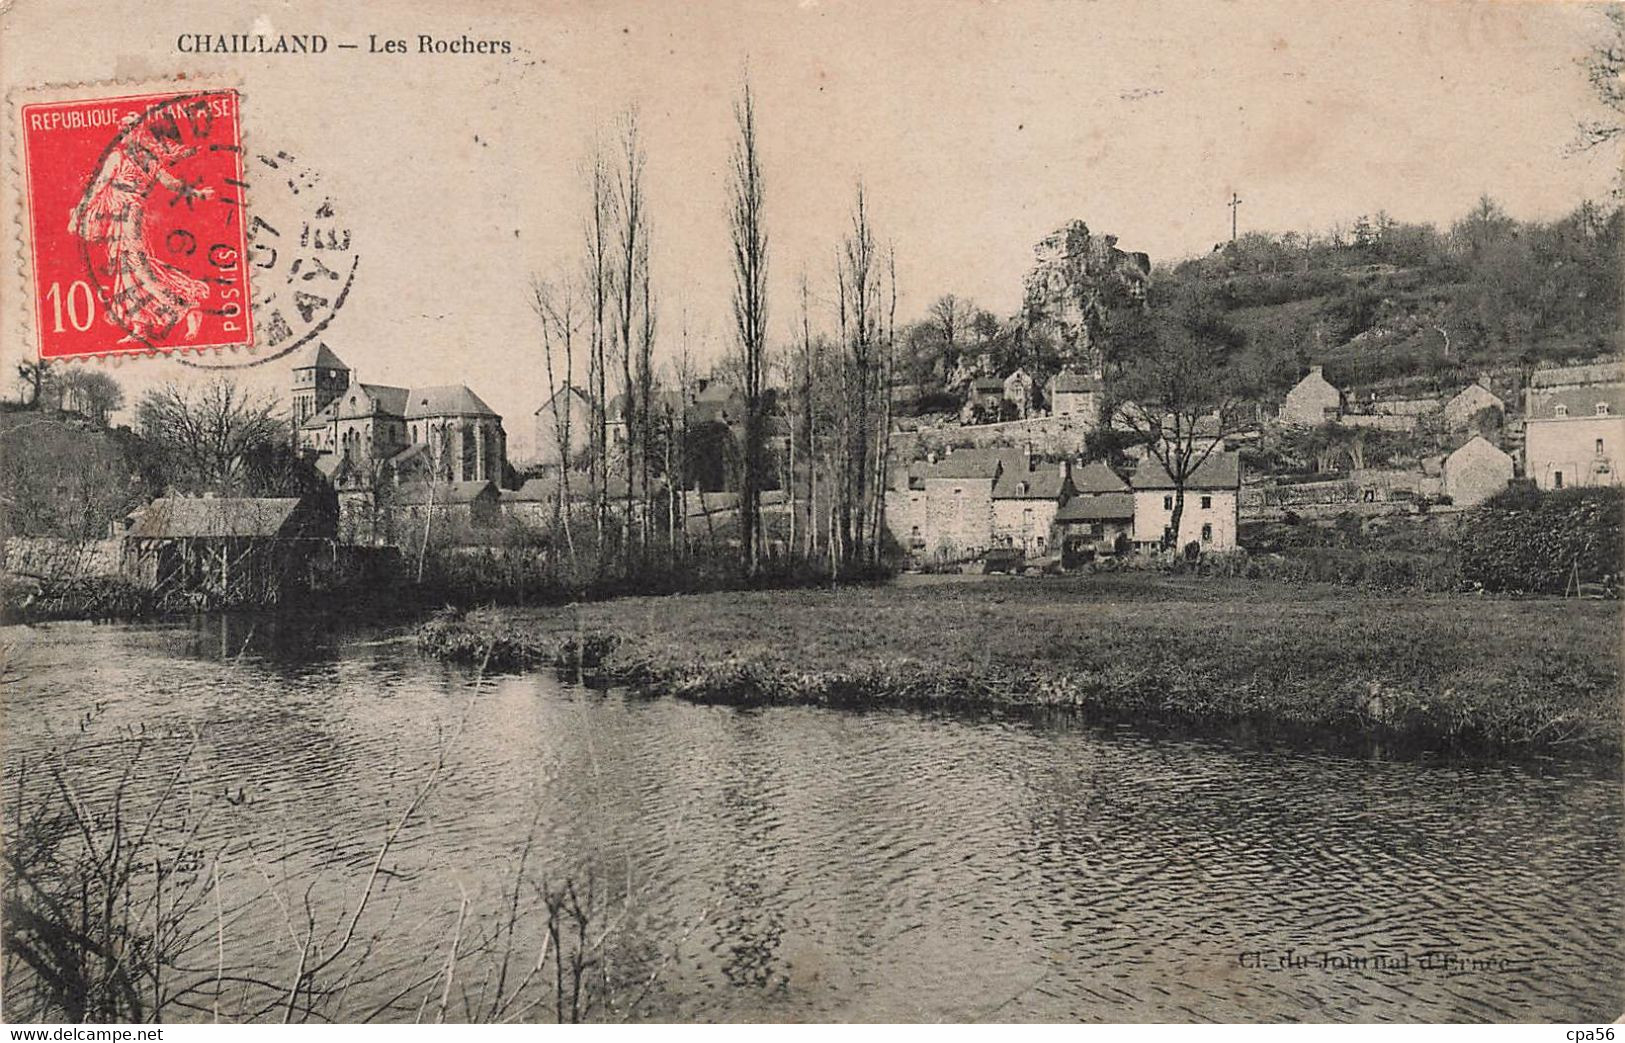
(317, 43)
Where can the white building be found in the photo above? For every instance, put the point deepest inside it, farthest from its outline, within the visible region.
(1573, 436)
(1212, 510)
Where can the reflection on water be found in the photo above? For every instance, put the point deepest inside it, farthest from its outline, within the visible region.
(886, 866)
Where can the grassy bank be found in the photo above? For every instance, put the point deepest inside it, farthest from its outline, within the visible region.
(1449, 672)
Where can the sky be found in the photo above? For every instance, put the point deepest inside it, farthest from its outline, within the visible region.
(977, 128)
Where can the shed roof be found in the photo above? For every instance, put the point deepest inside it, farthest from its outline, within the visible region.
(535, 490)
(1219, 471)
(1097, 507)
(1590, 373)
(203, 517)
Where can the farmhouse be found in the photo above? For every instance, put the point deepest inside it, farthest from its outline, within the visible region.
(1025, 500)
(1212, 504)
(1098, 520)
(1573, 435)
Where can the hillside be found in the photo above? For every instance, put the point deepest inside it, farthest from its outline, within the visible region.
(1384, 303)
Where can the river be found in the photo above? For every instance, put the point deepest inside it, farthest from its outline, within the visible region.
(796, 864)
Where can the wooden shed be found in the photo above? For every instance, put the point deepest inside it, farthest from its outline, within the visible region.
(230, 550)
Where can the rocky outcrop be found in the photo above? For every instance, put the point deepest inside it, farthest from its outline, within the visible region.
(1078, 279)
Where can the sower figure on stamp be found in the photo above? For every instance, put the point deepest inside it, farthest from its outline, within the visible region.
(148, 297)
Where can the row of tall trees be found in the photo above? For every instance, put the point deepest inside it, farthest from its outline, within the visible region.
(821, 437)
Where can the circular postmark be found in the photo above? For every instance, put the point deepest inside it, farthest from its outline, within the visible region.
(159, 230)
(301, 258)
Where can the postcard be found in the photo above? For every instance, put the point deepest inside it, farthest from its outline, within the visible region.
(811, 511)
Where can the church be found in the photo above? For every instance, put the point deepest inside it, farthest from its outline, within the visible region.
(365, 433)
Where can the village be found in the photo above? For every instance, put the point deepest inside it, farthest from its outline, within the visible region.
(1015, 471)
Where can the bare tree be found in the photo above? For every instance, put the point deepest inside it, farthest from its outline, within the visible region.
(555, 308)
(858, 284)
(598, 275)
(749, 236)
(1178, 390)
(630, 286)
(205, 431)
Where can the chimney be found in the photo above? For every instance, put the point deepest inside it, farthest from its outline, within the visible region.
(1315, 371)
(1066, 468)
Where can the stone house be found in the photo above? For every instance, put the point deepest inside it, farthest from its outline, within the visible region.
(1025, 499)
(1475, 472)
(1098, 516)
(956, 519)
(1313, 400)
(1076, 395)
(1468, 403)
(1573, 435)
(984, 394)
(1212, 503)
(1018, 391)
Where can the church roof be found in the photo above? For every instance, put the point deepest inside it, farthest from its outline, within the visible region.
(445, 400)
(320, 357)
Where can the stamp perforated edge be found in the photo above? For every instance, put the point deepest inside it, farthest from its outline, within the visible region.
(21, 269)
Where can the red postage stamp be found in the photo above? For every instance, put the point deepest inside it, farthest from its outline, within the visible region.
(136, 220)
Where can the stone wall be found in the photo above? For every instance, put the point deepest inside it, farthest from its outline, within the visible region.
(46, 557)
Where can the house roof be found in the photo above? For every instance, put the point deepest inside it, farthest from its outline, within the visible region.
(181, 517)
(445, 400)
(966, 463)
(1591, 373)
(1477, 445)
(1045, 483)
(1097, 507)
(1578, 401)
(571, 391)
(987, 384)
(441, 492)
(1475, 386)
(1074, 383)
(1098, 477)
(1219, 471)
(320, 357)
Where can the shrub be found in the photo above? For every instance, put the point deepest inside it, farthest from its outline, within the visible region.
(1541, 543)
